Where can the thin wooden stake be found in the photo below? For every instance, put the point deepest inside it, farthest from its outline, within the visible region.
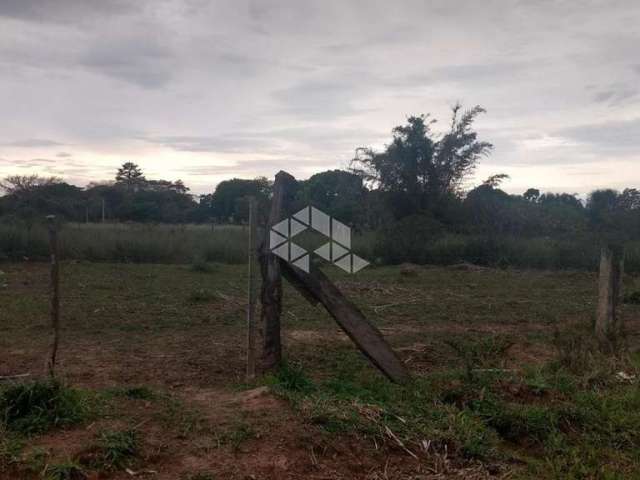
(608, 322)
(251, 306)
(103, 210)
(55, 294)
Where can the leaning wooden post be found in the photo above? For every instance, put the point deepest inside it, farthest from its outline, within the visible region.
(251, 306)
(316, 287)
(608, 323)
(271, 293)
(55, 294)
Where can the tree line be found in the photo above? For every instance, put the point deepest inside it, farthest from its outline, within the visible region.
(412, 188)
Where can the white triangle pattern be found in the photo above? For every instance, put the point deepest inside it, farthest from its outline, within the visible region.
(324, 224)
(302, 215)
(296, 251)
(345, 263)
(337, 251)
(296, 227)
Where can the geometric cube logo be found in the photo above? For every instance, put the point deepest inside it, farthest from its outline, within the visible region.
(336, 250)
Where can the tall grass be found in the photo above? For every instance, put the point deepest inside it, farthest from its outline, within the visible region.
(134, 243)
(143, 243)
(494, 251)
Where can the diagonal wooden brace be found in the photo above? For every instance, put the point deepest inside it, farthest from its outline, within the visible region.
(316, 286)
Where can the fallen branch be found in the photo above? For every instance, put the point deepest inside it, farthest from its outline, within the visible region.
(399, 442)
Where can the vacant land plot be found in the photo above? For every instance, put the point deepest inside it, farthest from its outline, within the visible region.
(508, 381)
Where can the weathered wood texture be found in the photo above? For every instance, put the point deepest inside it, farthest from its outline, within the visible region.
(349, 317)
(608, 322)
(251, 293)
(271, 293)
(55, 295)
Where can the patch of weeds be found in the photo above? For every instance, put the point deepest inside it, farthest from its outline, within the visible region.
(202, 295)
(471, 435)
(201, 265)
(291, 377)
(68, 470)
(549, 379)
(632, 298)
(332, 416)
(200, 476)
(480, 353)
(237, 435)
(10, 449)
(135, 393)
(177, 416)
(114, 450)
(526, 423)
(36, 460)
(39, 406)
(579, 353)
(118, 447)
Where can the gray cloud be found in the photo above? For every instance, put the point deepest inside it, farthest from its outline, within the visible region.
(62, 10)
(142, 61)
(621, 136)
(305, 83)
(34, 142)
(616, 95)
(320, 98)
(226, 144)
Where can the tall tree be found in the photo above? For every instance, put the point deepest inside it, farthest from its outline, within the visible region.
(420, 166)
(130, 176)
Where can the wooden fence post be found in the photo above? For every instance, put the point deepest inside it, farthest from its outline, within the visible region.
(251, 306)
(55, 294)
(271, 293)
(608, 323)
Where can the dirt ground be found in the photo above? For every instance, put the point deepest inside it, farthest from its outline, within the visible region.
(181, 333)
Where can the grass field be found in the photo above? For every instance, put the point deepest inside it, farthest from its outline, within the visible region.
(508, 382)
(185, 244)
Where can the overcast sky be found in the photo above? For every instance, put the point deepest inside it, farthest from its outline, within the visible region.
(208, 90)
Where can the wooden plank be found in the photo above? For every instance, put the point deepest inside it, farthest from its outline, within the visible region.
(352, 321)
(271, 293)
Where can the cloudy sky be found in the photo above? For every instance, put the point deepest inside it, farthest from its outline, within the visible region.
(208, 90)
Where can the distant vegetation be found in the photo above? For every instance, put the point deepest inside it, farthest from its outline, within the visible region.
(406, 203)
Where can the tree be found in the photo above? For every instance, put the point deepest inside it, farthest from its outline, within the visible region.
(229, 201)
(336, 192)
(130, 176)
(420, 167)
(19, 184)
(531, 195)
(494, 181)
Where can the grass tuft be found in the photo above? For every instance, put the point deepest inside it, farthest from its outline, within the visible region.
(68, 470)
(114, 450)
(36, 407)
